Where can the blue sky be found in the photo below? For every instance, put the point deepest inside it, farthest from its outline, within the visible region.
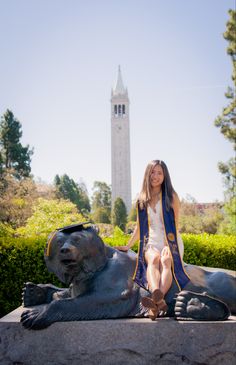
(59, 60)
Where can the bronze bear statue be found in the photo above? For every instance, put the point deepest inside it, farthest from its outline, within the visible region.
(101, 286)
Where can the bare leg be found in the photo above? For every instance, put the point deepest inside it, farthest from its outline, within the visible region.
(156, 304)
(166, 274)
(152, 258)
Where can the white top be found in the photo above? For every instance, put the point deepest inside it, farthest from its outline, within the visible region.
(156, 227)
(157, 236)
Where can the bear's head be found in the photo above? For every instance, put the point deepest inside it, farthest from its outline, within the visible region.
(73, 254)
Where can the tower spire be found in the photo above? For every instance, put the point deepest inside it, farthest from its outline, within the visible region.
(119, 88)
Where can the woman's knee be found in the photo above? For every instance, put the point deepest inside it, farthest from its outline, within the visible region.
(152, 257)
(166, 258)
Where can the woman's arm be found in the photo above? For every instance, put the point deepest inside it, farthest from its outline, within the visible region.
(176, 208)
(131, 242)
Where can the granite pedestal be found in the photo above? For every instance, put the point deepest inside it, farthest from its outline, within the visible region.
(120, 341)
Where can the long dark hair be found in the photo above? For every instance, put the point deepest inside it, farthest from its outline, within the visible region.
(166, 187)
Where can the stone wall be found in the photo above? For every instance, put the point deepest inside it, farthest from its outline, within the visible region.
(121, 341)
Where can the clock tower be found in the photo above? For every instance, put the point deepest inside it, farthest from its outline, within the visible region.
(120, 143)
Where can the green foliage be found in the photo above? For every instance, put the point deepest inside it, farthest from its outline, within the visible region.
(228, 170)
(101, 215)
(6, 230)
(199, 249)
(13, 155)
(132, 217)
(119, 214)
(49, 215)
(226, 122)
(198, 218)
(230, 36)
(210, 250)
(228, 225)
(119, 238)
(190, 224)
(101, 202)
(21, 260)
(67, 188)
(16, 199)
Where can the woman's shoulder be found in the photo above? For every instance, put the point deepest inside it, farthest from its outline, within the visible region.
(176, 200)
(175, 195)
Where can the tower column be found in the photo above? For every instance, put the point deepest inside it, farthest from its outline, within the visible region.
(120, 143)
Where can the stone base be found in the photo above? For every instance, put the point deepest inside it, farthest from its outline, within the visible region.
(120, 341)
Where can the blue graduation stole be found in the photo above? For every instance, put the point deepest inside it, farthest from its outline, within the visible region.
(179, 274)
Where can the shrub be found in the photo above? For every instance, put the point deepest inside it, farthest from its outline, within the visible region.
(49, 215)
(6, 230)
(210, 250)
(21, 260)
(119, 238)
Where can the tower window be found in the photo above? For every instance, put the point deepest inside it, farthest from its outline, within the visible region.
(119, 110)
(115, 110)
(123, 109)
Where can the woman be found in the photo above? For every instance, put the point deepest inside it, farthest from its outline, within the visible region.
(160, 246)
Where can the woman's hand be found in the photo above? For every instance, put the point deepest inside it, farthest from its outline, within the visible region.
(130, 243)
(122, 248)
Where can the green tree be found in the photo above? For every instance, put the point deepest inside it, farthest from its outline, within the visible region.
(101, 202)
(49, 215)
(228, 224)
(198, 218)
(67, 188)
(119, 214)
(13, 156)
(227, 122)
(132, 217)
(16, 199)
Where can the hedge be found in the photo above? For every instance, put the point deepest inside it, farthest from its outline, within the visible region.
(21, 260)
(199, 249)
(210, 250)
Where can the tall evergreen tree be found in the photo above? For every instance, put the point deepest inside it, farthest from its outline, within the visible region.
(227, 124)
(101, 202)
(67, 188)
(226, 121)
(13, 156)
(119, 214)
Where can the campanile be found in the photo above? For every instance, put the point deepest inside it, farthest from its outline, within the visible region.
(120, 143)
